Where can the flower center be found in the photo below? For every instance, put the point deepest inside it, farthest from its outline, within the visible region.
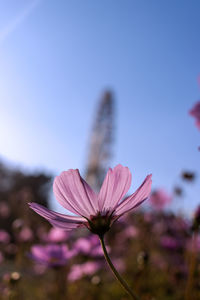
(100, 224)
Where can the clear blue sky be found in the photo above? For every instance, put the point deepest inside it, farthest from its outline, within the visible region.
(56, 57)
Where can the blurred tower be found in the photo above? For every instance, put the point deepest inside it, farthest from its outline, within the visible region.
(100, 151)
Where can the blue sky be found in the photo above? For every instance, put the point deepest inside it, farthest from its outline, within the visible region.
(56, 58)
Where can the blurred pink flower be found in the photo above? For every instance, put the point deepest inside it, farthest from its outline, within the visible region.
(50, 255)
(131, 231)
(25, 235)
(17, 224)
(39, 269)
(56, 235)
(4, 237)
(88, 246)
(128, 232)
(195, 112)
(85, 269)
(95, 211)
(159, 199)
(170, 242)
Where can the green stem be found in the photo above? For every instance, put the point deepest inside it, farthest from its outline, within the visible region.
(117, 275)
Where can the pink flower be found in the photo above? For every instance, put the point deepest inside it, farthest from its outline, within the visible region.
(95, 211)
(195, 112)
(4, 237)
(55, 235)
(85, 269)
(170, 242)
(50, 255)
(131, 231)
(88, 246)
(25, 235)
(159, 199)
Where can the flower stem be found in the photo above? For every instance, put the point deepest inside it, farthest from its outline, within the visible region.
(117, 275)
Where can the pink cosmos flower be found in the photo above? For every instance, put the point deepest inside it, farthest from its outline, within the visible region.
(95, 211)
(50, 255)
(159, 199)
(81, 270)
(88, 246)
(25, 235)
(195, 112)
(131, 231)
(4, 237)
(55, 235)
(170, 242)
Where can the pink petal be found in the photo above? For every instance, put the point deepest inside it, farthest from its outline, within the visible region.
(116, 184)
(38, 251)
(64, 222)
(73, 193)
(136, 198)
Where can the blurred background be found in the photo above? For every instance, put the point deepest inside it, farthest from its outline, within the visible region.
(88, 85)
